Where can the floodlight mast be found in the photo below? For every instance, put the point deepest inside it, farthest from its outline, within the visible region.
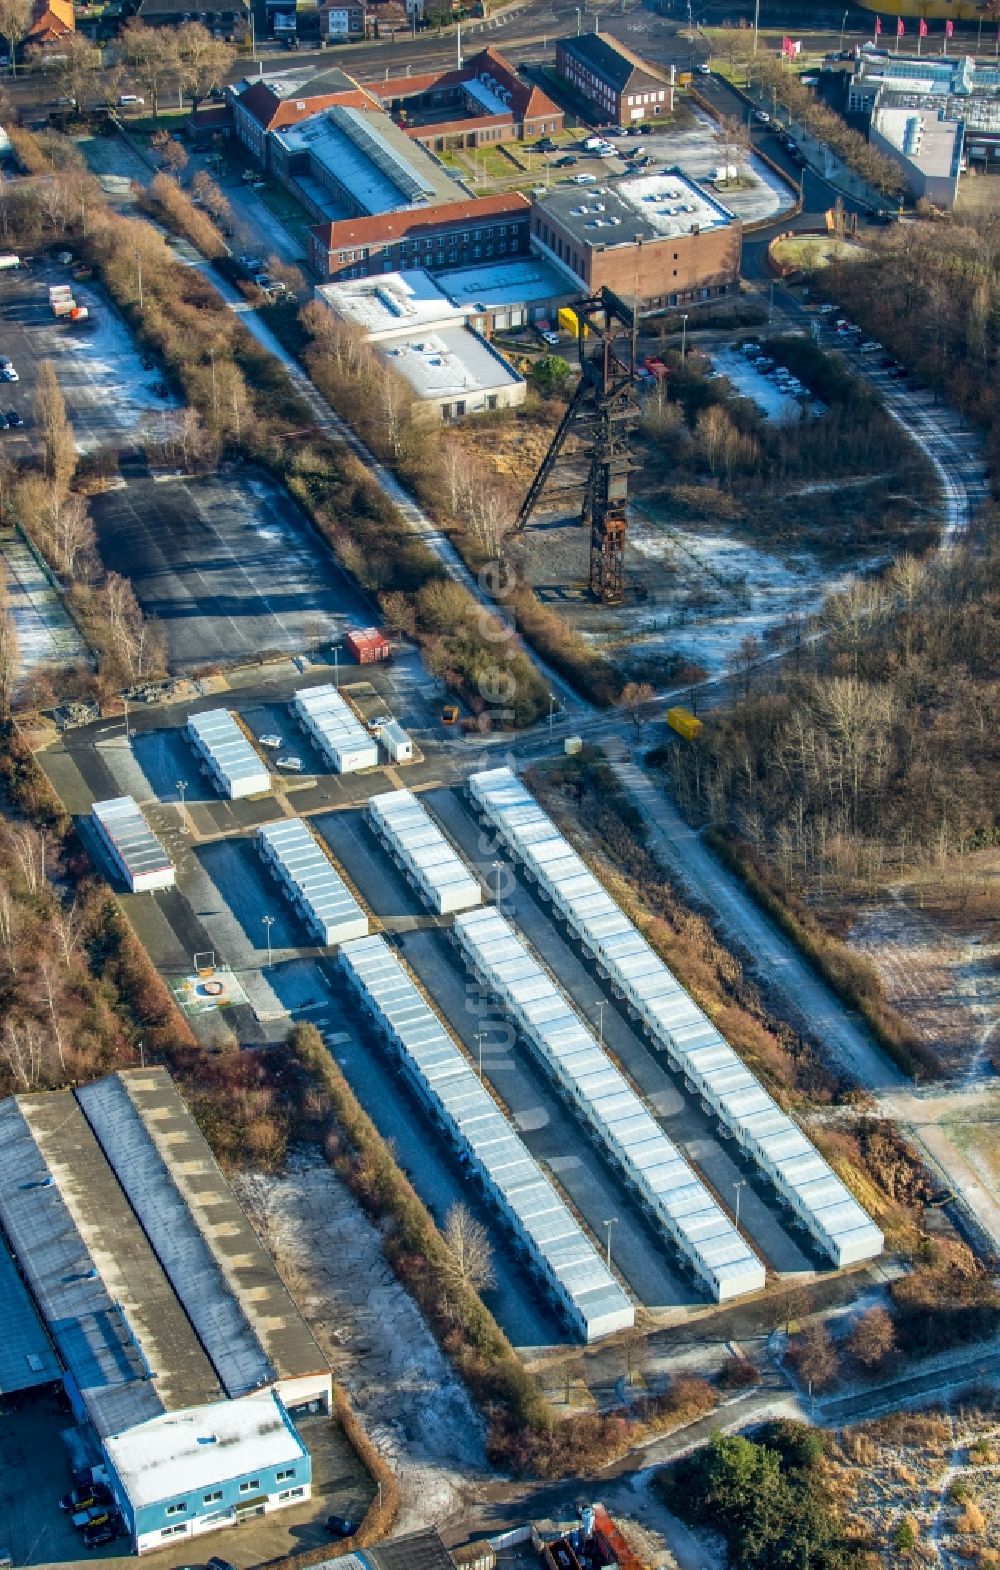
(603, 411)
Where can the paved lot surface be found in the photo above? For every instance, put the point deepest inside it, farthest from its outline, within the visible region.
(110, 398)
(227, 564)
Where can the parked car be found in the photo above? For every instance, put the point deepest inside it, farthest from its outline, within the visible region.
(703, 68)
(826, 309)
(9, 374)
(130, 101)
(762, 116)
(566, 161)
(291, 763)
(96, 1536)
(341, 1526)
(549, 337)
(14, 419)
(635, 130)
(871, 346)
(270, 740)
(585, 179)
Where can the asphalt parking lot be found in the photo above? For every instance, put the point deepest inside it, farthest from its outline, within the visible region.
(227, 564)
(111, 398)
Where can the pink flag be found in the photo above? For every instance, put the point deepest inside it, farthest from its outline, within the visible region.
(900, 29)
(949, 28)
(922, 28)
(878, 25)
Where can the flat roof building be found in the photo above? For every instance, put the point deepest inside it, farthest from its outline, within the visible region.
(454, 372)
(927, 146)
(659, 235)
(348, 161)
(385, 306)
(454, 234)
(492, 296)
(623, 88)
(273, 103)
(158, 1298)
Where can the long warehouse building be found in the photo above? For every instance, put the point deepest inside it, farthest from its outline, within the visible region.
(135, 850)
(182, 1355)
(585, 1291)
(311, 882)
(226, 753)
(670, 1191)
(803, 1179)
(335, 728)
(418, 846)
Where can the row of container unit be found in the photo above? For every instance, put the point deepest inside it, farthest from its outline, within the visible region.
(417, 845)
(334, 727)
(311, 882)
(134, 848)
(672, 1194)
(551, 1240)
(235, 766)
(676, 1025)
(63, 303)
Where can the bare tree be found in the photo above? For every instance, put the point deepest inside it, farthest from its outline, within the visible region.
(814, 1356)
(52, 422)
(204, 60)
(152, 55)
(873, 1337)
(635, 697)
(75, 67)
(470, 1255)
(15, 19)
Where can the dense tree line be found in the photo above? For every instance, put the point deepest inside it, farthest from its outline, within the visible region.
(765, 1496)
(877, 748)
(931, 292)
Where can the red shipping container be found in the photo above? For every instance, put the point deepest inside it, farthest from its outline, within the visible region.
(368, 645)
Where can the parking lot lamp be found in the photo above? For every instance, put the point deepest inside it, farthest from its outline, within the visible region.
(611, 1222)
(268, 924)
(497, 868)
(741, 1183)
(684, 336)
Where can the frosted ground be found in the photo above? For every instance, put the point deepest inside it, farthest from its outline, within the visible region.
(108, 393)
(728, 590)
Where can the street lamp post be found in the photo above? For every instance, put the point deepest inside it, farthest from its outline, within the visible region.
(480, 1036)
(182, 786)
(684, 336)
(843, 25)
(497, 868)
(740, 1183)
(268, 924)
(578, 22)
(552, 704)
(612, 1221)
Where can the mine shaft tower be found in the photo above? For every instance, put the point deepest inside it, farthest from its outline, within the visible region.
(603, 412)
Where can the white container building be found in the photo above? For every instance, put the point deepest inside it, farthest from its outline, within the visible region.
(675, 1023)
(672, 1194)
(134, 848)
(336, 729)
(396, 744)
(223, 748)
(311, 881)
(553, 1243)
(419, 848)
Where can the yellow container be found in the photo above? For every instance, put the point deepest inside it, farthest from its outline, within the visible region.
(685, 723)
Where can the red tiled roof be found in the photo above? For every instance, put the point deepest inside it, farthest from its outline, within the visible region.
(453, 127)
(387, 228)
(275, 114)
(527, 102)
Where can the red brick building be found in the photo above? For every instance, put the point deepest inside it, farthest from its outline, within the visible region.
(273, 103)
(621, 88)
(456, 234)
(483, 103)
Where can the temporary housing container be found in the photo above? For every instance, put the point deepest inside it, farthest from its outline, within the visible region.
(134, 848)
(675, 1023)
(311, 881)
(396, 744)
(336, 729)
(417, 845)
(367, 645)
(675, 1198)
(227, 754)
(553, 1242)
